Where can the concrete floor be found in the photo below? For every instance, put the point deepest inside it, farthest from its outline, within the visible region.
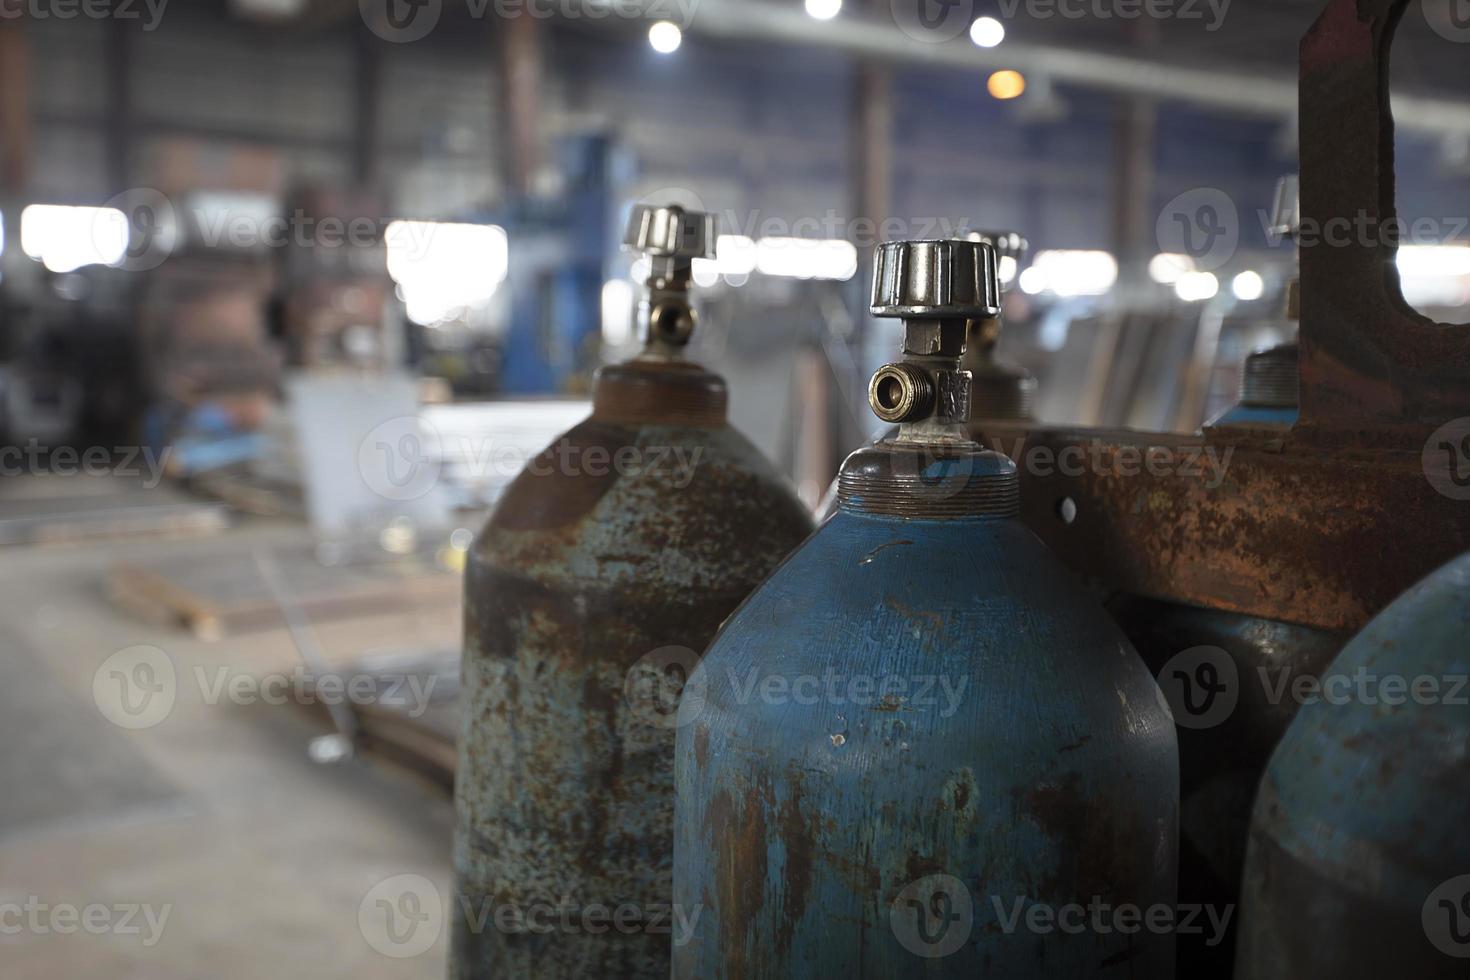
(266, 860)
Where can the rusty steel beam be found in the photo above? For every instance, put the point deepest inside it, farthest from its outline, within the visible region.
(1279, 530)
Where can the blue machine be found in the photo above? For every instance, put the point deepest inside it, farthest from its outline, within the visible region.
(558, 256)
(920, 740)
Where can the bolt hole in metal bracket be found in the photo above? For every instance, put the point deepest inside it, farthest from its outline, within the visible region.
(1325, 525)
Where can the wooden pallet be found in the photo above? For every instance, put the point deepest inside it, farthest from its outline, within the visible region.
(217, 595)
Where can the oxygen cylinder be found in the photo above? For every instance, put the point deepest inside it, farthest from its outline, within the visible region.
(1270, 384)
(920, 745)
(609, 561)
(1359, 864)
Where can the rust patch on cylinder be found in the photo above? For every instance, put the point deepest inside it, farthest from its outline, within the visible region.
(740, 875)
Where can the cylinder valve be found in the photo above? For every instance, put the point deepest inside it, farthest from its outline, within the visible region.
(672, 238)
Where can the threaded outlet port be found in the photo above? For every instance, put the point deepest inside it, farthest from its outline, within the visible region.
(900, 393)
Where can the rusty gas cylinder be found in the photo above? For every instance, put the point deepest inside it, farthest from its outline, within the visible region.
(1359, 863)
(998, 388)
(921, 745)
(611, 559)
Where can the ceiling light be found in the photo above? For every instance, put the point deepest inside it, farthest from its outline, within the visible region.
(1195, 287)
(1248, 286)
(1006, 84)
(665, 37)
(1166, 267)
(986, 31)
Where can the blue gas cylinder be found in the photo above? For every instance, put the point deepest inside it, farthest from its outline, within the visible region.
(920, 748)
(1358, 864)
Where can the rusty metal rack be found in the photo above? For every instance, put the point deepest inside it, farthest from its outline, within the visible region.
(1325, 525)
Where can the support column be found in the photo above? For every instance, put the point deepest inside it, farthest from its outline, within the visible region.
(522, 69)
